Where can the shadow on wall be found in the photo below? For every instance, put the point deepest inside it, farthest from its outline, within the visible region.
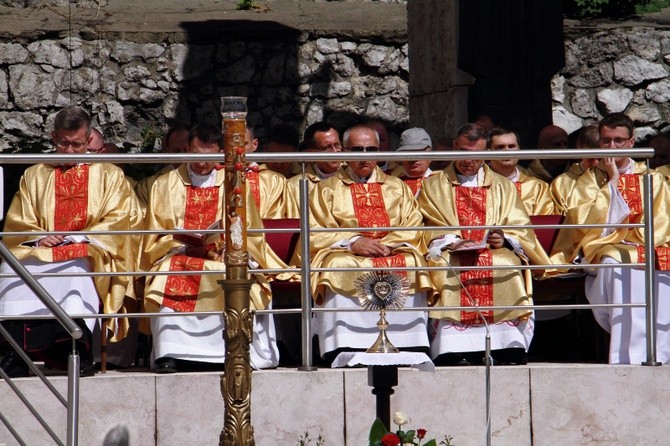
(513, 49)
(266, 62)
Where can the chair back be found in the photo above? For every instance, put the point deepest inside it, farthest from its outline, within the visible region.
(547, 236)
(282, 243)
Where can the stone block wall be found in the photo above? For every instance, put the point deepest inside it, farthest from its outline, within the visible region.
(135, 84)
(133, 89)
(623, 69)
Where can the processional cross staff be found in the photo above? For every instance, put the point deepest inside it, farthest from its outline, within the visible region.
(236, 380)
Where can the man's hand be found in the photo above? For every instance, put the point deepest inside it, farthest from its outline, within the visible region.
(51, 240)
(369, 247)
(464, 243)
(496, 238)
(208, 252)
(609, 166)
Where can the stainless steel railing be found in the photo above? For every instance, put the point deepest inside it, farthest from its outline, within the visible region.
(306, 309)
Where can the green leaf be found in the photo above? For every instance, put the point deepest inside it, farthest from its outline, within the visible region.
(407, 437)
(377, 431)
(430, 443)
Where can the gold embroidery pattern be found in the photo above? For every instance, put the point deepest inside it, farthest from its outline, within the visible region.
(471, 208)
(181, 292)
(202, 204)
(370, 208)
(71, 187)
(629, 186)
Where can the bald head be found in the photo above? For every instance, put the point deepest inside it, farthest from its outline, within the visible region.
(552, 137)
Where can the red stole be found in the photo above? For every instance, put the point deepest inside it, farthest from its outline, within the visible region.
(370, 211)
(414, 184)
(369, 207)
(253, 180)
(71, 209)
(471, 211)
(517, 185)
(181, 291)
(629, 187)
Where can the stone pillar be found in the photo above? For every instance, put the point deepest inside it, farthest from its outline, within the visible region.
(438, 91)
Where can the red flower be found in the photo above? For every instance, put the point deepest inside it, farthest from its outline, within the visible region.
(421, 433)
(390, 440)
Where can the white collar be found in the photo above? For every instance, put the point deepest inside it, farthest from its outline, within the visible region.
(202, 180)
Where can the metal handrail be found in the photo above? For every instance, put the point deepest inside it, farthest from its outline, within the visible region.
(299, 157)
(306, 308)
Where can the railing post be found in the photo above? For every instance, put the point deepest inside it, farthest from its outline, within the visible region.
(73, 397)
(305, 294)
(649, 282)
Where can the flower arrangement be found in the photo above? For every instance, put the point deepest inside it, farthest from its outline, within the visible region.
(380, 437)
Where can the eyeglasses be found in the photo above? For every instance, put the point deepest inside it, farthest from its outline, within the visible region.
(330, 148)
(363, 149)
(74, 144)
(618, 142)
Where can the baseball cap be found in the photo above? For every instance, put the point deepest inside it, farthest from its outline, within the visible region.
(414, 139)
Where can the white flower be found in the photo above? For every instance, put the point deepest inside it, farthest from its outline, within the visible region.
(400, 418)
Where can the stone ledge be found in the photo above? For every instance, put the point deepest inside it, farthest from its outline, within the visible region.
(541, 404)
(174, 18)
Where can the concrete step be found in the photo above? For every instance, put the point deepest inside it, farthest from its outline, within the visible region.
(541, 404)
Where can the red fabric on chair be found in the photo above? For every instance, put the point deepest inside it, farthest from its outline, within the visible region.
(284, 294)
(282, 243)
(547, 236)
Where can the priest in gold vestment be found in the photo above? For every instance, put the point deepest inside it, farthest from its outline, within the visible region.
(361, 195)
(469, 193)
(72, 197)
(534, 193)
(267, 187)
(175, 141)
(615, 187)
(191, 197)
(319, 137)
(414, 172)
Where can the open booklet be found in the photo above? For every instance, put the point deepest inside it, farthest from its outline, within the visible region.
(479, 246)
(198, 238)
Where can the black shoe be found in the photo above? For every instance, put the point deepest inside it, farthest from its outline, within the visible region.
(510, 356)
(86, 368)
(14, 366)
(451, 359)
(166, 365)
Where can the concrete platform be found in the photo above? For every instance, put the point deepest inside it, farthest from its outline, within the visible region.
(538, 404)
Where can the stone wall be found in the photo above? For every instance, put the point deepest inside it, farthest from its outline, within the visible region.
(624, 69)
(133, 89)
(136, 83)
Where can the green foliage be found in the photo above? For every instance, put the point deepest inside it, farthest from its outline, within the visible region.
(652, 6)
(246, 5)
(611, 9)
(377, 431)
(447, 441)
(306, 440)
(148, 138)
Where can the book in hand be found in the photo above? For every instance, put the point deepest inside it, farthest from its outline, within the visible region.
(476, 247)
(198, 238)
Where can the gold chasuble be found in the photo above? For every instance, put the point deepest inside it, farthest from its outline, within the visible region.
(625, 245)
(445, 202)
(177, 204)
(93, 197)
(562, 186)
(340, 202)
(534, 193)
(293, 190)
(267, 188)
(415, 183)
